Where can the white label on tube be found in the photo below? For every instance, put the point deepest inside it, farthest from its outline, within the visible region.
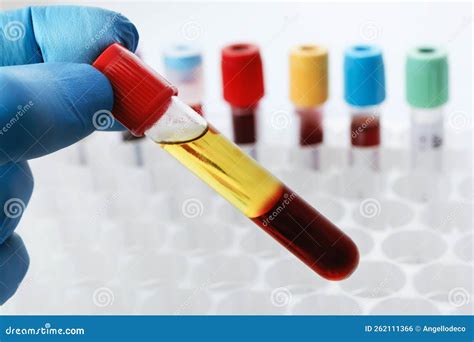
(427, 136)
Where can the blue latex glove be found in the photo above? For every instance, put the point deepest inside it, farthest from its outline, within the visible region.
(49, 94)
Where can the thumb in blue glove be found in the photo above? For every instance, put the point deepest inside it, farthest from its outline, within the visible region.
(47, 106)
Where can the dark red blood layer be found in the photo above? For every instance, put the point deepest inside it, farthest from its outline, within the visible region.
(311, 128)
(365, 131)
(244, 126)
(310, 236)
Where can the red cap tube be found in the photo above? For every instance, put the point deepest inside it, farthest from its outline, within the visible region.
(141, 96)
(242, 75)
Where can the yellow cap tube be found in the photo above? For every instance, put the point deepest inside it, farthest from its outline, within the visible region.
(308, 75)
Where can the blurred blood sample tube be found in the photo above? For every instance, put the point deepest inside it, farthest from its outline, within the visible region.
(129, 138)
(427, 94)
(183, 68)
(148, 105)
(309, 92)
(364, 83)
(242, 82)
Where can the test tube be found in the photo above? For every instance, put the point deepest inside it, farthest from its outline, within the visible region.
(183, 68)
(364, 91)
(243, 88)
(309, 92)
(147, 104)
(427, 94)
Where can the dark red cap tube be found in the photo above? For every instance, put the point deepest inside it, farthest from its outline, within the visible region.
(141, 96)
(242, 75)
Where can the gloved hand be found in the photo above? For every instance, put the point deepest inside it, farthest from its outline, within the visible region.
(49, 94)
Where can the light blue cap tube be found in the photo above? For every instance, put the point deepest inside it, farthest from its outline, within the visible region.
(182, 57)
(183, 68)
(364, 76)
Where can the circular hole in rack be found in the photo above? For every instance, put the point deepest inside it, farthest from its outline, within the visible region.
(225, 272)
(326, 304)
(414, 246)
(450, 283)
(464, 248)
(249, 302)
(169, 299)
(405, 306)
(375, 279)
(293, 274)
(381, 214)
(421, 187)
(363, 240)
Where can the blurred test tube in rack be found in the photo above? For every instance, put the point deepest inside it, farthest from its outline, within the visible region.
(364, 92)
(427, 94)
(309, 92)
(183, 68)
(243, 88)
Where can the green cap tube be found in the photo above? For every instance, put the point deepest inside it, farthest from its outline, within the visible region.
(427, 77)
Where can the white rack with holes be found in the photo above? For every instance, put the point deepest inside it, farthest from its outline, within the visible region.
(107, 237)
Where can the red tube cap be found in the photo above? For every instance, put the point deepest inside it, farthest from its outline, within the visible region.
(141, 96)
(242, 75)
